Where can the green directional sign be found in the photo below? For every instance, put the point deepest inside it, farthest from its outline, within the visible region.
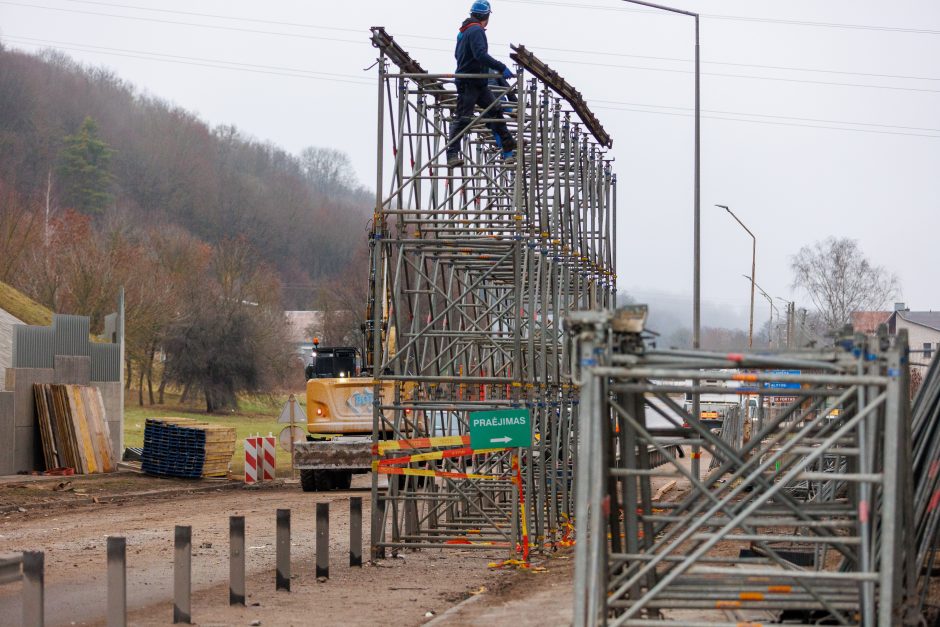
(501, 428)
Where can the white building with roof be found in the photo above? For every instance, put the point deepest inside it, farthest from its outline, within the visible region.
(923, 333)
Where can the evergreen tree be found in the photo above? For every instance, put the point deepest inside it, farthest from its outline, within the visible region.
(85, 178)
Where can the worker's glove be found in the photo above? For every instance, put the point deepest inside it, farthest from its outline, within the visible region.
(507, 73)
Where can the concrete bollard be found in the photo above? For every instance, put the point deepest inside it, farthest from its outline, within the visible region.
(355, 531)
(236, 560)
(33, 584)
(323, 540)
(182, 574)
(282, 577)
(117, 581)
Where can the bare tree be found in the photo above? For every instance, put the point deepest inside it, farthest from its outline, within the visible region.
(840, 280)
(231, 337)
(19, 230)
(329, 170)
(343, 301)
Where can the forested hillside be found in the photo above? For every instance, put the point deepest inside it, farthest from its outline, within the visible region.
(213, 234)
(305, 216)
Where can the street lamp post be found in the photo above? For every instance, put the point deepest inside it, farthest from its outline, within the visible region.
(770, 327)
(750, 332)
(697, 235)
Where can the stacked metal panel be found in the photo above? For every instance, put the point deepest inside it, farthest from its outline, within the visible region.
(182, 447)
(812, 520)
(474, 269)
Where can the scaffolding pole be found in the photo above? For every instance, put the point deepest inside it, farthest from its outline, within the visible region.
(474, 270)
(806, 514)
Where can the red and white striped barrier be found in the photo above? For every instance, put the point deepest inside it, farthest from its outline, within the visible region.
(268, 459)
(252, 463)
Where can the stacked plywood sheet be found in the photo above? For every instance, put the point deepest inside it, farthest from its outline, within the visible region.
(182, 447)
(73, 428)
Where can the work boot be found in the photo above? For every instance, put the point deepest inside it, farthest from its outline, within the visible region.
(509, 157)
(454, 161)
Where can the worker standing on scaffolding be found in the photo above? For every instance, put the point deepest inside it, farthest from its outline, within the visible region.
(473, 58)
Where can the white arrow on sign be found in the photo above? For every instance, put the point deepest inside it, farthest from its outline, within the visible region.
(503, 439)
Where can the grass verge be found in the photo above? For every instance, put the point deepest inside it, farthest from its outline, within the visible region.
(22, 307)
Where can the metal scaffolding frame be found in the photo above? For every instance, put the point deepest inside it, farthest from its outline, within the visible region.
(809, 519)
(473, 271)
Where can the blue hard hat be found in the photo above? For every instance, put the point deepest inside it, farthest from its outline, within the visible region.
(481, 6)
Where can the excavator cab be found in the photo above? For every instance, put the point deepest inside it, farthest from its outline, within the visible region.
(339, 419)
(333, 362)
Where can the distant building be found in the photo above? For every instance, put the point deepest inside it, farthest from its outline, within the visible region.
(302, 326)
(923, 333)
(868, 321)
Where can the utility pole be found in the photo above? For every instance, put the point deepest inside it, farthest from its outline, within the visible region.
(791, 320)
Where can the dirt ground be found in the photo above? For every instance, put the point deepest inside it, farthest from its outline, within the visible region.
(411, 589)
(37, 494)
(435, 587)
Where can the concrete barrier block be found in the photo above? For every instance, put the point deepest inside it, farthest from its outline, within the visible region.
(24, 405)
(111, 396)
(72, 369)
(27, 451)
(25, 457)
(117, 437)
(7, 433)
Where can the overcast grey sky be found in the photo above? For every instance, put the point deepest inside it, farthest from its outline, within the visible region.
(820, 117)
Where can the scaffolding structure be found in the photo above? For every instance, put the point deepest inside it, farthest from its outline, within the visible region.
(473, 271)
(808, 518)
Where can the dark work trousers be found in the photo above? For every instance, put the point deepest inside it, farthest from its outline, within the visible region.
(471, 93)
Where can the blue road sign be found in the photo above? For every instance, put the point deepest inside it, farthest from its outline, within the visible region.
(782, 385)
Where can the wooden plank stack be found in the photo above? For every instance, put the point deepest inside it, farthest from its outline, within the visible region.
(182, 447)
(73, 428)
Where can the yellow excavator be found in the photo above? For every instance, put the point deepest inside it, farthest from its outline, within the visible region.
(339, 419)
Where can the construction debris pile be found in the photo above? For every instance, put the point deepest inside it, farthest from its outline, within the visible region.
(825, 514)
(185, 448)
(73, 428)
(474, 269)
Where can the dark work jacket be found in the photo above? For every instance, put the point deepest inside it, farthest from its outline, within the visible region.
(472, 52)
